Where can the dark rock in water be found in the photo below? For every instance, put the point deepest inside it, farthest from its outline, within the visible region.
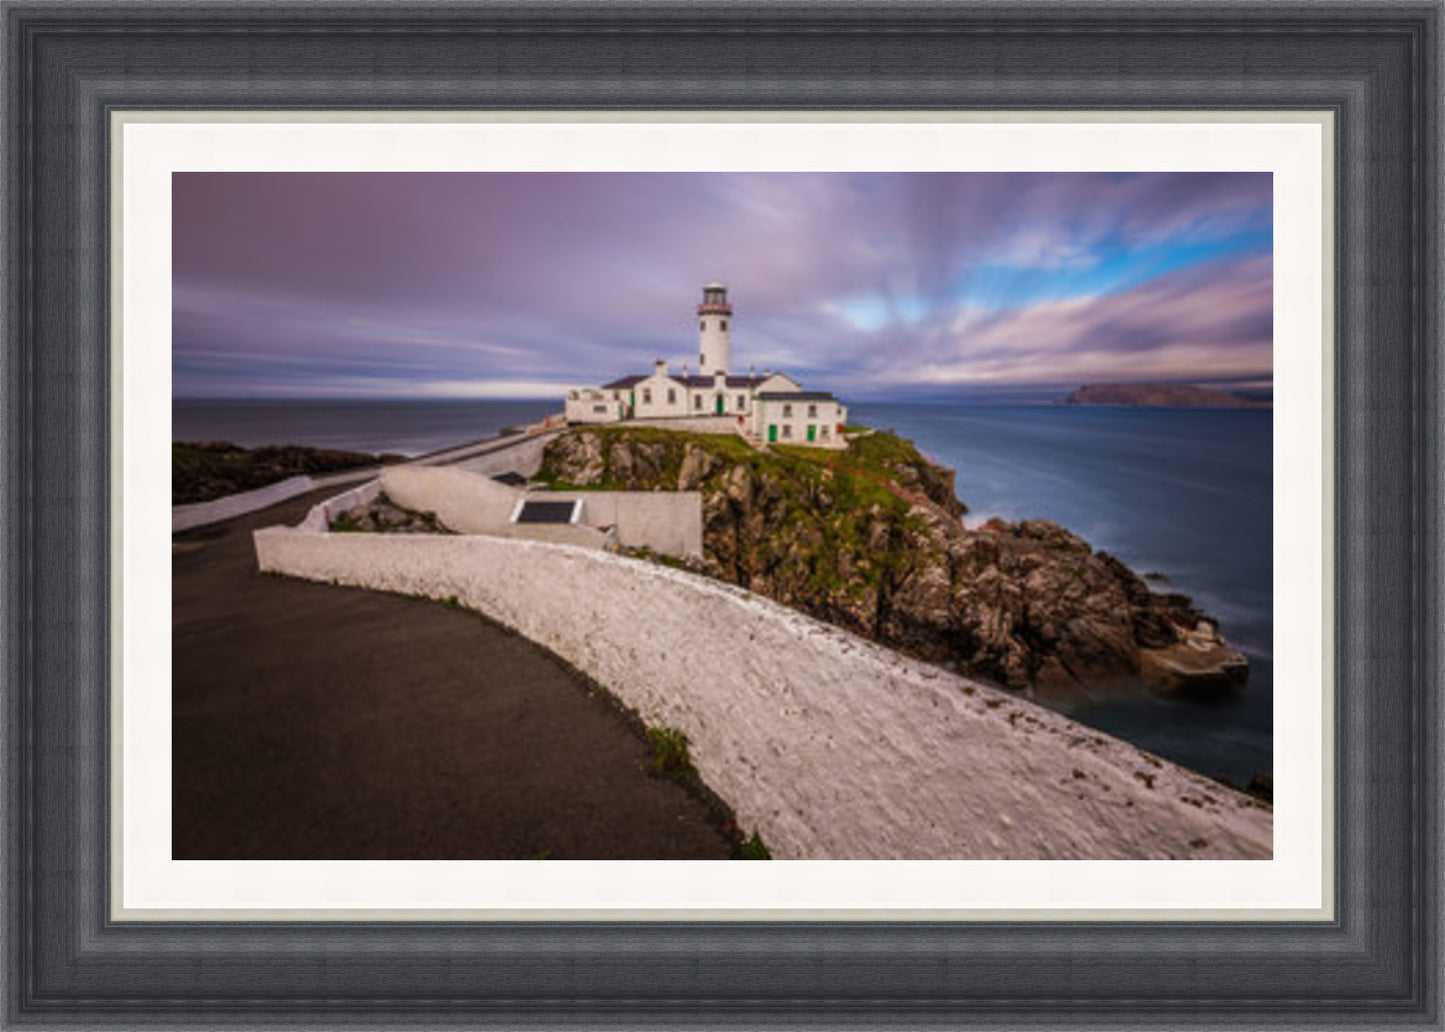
(1261, 786)
(870, 539)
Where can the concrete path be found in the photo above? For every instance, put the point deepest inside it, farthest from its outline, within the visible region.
(319, 722)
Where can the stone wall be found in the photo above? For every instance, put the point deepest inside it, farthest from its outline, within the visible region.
(827, 745)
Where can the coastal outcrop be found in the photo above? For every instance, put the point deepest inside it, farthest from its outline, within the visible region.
(871, 540)
(203, 472)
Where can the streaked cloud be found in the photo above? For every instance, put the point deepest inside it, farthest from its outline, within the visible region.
(497, 284)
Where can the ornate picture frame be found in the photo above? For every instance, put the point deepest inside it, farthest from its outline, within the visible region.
(69, 66)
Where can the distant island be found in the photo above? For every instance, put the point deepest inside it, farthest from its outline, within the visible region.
(1160, 395)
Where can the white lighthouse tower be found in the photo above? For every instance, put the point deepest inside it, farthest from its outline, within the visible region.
(716, 350)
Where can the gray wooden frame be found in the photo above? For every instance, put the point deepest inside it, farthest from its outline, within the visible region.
(1376, 65)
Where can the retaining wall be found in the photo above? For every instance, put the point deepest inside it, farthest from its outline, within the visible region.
(723, 426)
(669, 522)
(827, 745)
(468, 503)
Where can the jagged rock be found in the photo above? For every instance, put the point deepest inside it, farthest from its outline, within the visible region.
(872, 545)
(697, 465)
(581, 455)
(384, 516)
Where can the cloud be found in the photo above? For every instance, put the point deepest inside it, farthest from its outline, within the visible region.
(296, 282)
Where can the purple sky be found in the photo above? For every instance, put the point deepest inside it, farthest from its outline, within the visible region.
(522, 284)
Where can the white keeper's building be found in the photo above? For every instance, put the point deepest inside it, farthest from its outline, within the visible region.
(771, 408)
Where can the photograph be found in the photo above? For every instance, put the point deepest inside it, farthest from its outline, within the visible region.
(675, 515)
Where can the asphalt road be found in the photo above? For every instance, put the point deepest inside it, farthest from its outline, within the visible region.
(320, 722)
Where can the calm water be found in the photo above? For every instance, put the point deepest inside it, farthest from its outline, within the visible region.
(401, 427)
(1184, 492)
(1187, 493)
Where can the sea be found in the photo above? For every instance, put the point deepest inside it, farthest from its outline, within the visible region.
(1184, 494)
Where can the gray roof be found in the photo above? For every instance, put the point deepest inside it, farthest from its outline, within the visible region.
(708, 381)
(796, 396)
(695, 380)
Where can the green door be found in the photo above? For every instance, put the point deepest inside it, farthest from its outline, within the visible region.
(772, 431)
(811, 431)
(719, 405)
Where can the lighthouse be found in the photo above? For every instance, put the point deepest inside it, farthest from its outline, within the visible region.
(715, 350)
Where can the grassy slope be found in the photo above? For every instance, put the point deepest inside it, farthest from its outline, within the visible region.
(836, 523)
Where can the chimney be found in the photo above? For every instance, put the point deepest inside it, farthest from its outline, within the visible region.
(659, 368)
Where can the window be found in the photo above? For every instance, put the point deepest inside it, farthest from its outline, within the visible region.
(812, 411)
(724, 324)
(671, 396)
(787, 429)
(787, 411)
(647, 396)
(697, 401)
(701, 361)
(599, 408)
(742, 402)
(702, 325)
(825, 431)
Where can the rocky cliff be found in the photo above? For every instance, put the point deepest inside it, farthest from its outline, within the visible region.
(871, 540)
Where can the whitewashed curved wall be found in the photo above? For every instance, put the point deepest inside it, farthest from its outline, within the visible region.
(201, 514)
(829, 746)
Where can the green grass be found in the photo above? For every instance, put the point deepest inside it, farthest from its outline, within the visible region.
(831, 503)
(670, 753)
(754, 849)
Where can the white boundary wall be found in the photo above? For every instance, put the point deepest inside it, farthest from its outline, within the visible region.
(829, 746)
(200, 514)
(468, 503)
(520, 454)
(319, 516)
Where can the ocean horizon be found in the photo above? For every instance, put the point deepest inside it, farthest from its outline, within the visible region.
(1183, 495)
